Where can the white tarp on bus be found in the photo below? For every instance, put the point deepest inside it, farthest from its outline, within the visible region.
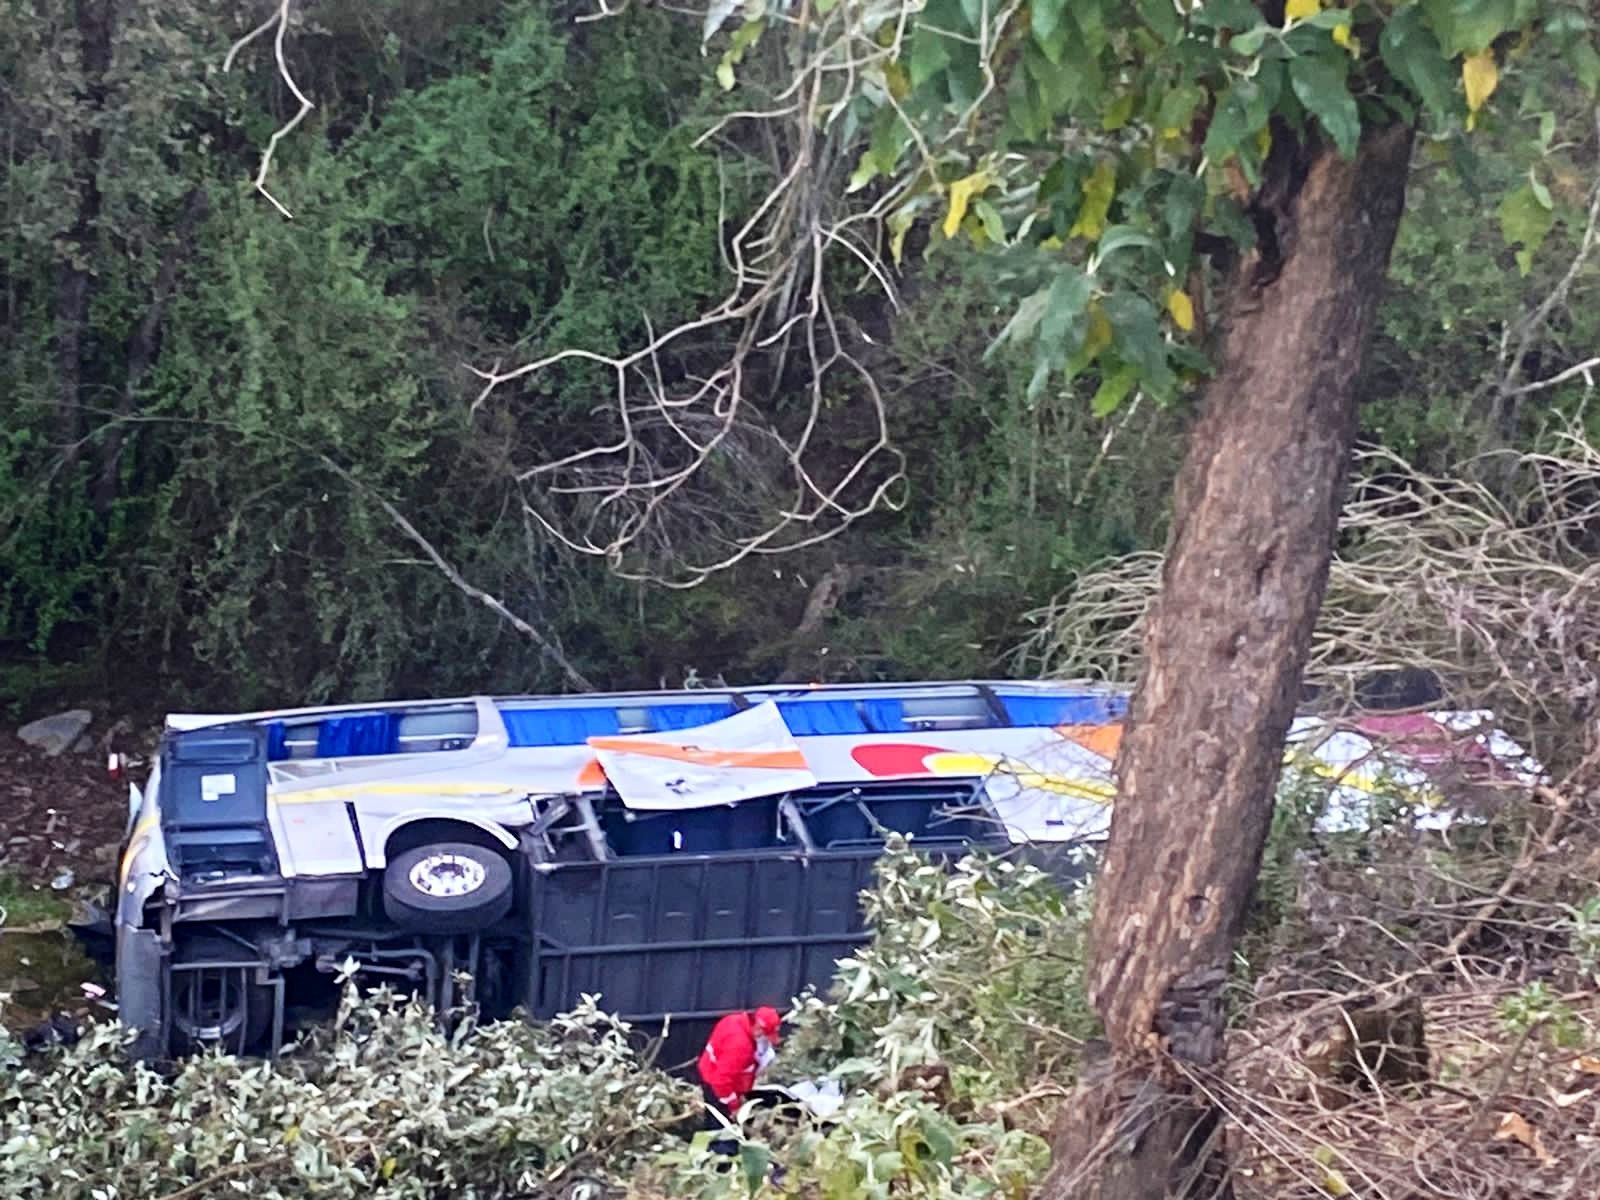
(749, 754)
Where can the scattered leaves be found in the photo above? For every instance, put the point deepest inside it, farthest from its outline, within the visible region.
(1514, 1127)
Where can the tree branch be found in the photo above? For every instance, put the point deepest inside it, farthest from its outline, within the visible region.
(278, 21)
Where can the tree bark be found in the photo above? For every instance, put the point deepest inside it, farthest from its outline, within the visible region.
(1255, 517)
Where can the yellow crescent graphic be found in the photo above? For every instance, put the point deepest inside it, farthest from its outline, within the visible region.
(951, 763)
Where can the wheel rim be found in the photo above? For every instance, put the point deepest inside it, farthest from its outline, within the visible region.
(209, 1007)
(445, 875)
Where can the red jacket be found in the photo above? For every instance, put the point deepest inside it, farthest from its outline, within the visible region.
(728, 1063)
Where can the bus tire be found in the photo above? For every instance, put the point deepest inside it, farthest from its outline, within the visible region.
(446, 888)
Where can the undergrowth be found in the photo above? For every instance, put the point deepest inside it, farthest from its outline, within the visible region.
(974, 967)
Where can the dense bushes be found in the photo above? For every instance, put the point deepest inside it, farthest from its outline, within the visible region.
(975, 969)
(483, 182)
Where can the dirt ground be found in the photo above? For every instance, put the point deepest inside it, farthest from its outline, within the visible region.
(61, 825)
(58, 815)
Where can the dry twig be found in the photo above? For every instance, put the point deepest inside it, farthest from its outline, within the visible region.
(278, 23)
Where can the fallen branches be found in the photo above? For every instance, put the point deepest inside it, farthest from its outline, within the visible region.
(1497, 598)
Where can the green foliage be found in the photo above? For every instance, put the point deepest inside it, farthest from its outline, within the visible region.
(487, 182)
(509, 199)
(1536, 1009)
(975, 968)
(1096, 142)
(901, 1145)
(23, 904)
(384, 1104)
(1583, 930)
(978, 967)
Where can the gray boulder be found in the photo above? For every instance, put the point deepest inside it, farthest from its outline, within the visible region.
(55, 735)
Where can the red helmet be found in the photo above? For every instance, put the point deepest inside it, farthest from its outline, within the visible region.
(767, 1021)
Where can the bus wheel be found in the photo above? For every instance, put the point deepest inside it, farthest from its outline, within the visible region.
(448, 887)
(214, 999)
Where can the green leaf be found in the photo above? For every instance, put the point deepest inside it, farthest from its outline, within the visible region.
(1118, 112)
(1068, 296)
(1020, 328)
(941, 1139)
(989, 217)
(1119, 237)
(725, 75)
(1162, 19)
(930, 54)
(1320, 86)
(1547, 129)
(1249, 42)
(1243, 111)
(1413, 54)
(1584, 60)
(1046, 18)
(1180, 209)
(866, 171)
(1137, 328)
(1229, 219)
(1468, 26)
(1113, 390)
(1525, 222)
(754, 1159)
(1178, 107)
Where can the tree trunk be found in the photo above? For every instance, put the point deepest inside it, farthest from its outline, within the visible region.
(1254, 523)
(145, 343)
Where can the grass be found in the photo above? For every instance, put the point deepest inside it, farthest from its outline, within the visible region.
(26, 904)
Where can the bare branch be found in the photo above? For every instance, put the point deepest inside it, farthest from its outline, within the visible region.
(702, 467)
(1585, 369)
(278, 21)
(546, 645)
(1498, 599)
(1519, 339)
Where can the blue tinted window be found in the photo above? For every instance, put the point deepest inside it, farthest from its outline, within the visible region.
(558, 726)
(885, 716)
(1087, 709)
(668, 717)
(811, 718)
(368, 733)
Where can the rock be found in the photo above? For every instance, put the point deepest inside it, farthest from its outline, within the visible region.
(56, 735)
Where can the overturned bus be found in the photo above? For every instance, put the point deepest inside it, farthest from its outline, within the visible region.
(682, 854)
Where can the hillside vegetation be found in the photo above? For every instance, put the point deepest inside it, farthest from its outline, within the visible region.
(208, 406)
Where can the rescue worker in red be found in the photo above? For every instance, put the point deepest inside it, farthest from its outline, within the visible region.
(740, 1045)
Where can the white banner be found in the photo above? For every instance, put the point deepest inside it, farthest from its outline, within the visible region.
(749, 754)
